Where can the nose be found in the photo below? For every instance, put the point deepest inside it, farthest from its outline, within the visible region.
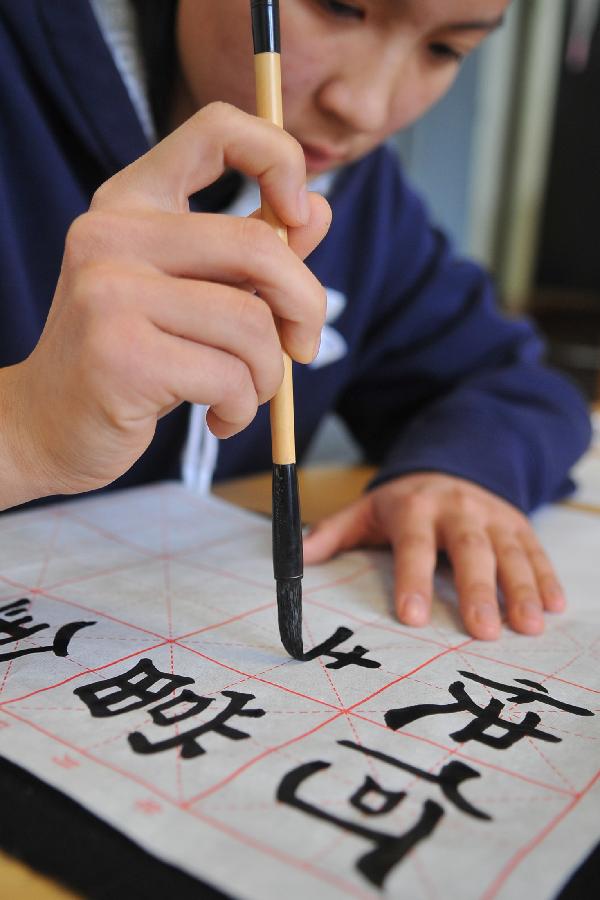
(362, 94)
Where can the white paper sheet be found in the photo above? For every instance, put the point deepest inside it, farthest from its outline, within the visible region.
(186, 585)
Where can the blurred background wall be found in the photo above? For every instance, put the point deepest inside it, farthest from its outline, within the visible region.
(509, 164)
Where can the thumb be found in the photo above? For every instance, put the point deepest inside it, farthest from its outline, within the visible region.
(344, 530)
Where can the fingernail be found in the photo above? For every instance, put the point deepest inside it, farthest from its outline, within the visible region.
(303, 204)
(555, 601)
(413, 610)
(531, 613)
(485, 612)
(486, 617)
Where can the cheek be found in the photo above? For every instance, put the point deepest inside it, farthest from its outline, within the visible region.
(300, 81)
(412, 102)
(216, 55)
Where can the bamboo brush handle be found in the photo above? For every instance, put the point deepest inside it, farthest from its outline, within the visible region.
(269, 106)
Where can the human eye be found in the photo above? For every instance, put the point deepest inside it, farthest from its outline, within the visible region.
(446, 52)
(342, 10)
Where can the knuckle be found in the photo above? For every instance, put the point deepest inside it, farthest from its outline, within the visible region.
(80, 240)
(512, 552)
(239, 387)
(463, 502)
(91, 236)
(254, 318)
(263, 349)
(217, 112)
(471, 540)
(100, 289)
(481, 592)
(414, 543)
(524, 594)
(416, 505)
(540, 561)
(104, 195)
(294, 149)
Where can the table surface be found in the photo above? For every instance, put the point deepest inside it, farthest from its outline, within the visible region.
(324, 489)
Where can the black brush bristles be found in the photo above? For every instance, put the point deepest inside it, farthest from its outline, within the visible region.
(288, 557)
(289, 614)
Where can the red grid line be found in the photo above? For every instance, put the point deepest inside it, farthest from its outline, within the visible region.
(51, 687)
(377, 623)
(197, 798)
(473, 759)
(257, 677)
(338, 582)
(515, 665)
(233, 833)
(73, 603)
(339, 712)
(528, 848)
(242, 838)
(151, 786)
(239, 617)
(281, 856)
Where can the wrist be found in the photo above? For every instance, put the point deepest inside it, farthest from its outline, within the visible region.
(21, 478)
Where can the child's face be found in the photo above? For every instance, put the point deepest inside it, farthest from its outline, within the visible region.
(353, 72)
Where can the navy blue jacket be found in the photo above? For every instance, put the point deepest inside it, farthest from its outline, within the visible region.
(434, 377)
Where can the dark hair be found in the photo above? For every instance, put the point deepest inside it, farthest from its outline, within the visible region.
(156, 28)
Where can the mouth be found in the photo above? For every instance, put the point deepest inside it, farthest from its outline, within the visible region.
(320, 159)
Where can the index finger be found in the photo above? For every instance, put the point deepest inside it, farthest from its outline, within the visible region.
(193, 156)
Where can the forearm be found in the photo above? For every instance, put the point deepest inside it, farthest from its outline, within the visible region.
(516, 433)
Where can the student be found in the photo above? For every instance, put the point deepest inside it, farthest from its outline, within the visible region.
(149, 305)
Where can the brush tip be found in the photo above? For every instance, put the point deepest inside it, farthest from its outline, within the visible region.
(289, 609)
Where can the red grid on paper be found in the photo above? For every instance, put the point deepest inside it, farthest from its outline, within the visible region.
(149, 640)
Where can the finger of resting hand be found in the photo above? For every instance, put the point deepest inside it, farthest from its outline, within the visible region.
(214, 248)
(415, 555)
(549, 587)
(193, 156)
(474, 567)
(341, 531)
(517, 579)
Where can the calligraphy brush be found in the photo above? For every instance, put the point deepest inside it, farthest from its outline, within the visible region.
(287, 526)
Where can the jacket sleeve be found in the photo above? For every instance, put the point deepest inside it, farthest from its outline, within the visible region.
(444, 382)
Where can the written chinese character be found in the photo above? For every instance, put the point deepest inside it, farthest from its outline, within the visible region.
(14, 620)
(143, 685)
(140, 686)
(188, 739)
(372, 800)
(487, 717)
(521, 695)
(341, 658)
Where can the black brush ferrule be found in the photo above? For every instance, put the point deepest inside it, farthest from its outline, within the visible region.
(265, 26)
(287, 524)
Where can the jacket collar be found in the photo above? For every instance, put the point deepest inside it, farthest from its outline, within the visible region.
(93, 95)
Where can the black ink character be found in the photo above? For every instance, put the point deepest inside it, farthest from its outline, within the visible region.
(140, 686)
(13, 622)
(143, 685)
(373, 800)
(188, 740)
(486, 717)
(521, 695)
(342, 659)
